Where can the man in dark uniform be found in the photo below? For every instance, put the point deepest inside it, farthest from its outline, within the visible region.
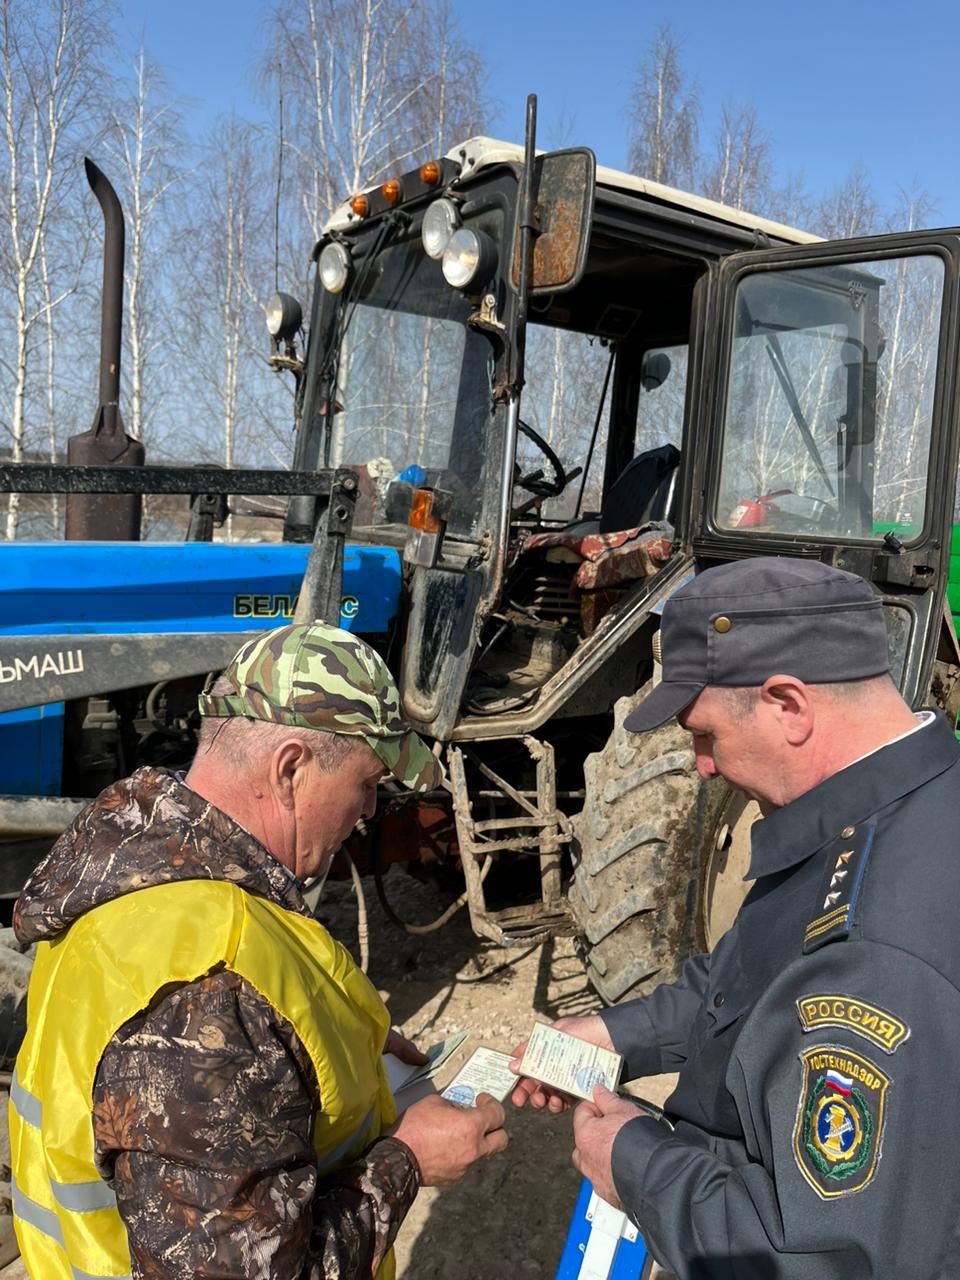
(815, 1130)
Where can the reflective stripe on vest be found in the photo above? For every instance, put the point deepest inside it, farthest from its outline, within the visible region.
(28, 1107)
(78, 1197)
(28, 1210)
(48, 1224)
(110, 963)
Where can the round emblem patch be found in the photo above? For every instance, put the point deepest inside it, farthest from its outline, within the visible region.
(836, 1128)
(836, 1139)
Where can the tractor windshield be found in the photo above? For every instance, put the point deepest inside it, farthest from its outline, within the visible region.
(413, 393)
(829, 402)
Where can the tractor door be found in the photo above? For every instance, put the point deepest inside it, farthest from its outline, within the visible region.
(824, 421)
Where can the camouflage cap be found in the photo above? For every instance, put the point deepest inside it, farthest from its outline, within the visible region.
(319, 677)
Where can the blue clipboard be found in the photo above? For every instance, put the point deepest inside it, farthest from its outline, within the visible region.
(602, 1243)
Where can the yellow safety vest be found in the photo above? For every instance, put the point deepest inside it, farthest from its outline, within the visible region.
(107, 967)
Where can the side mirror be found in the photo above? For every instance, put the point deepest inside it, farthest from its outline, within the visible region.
(564, 185)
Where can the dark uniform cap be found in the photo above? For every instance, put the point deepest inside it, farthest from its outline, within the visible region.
(738, 624)
(319, 677)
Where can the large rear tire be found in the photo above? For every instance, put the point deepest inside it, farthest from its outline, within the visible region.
(659, 859)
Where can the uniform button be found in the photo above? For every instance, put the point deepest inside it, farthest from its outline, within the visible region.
(722, 624)
(847, 832)
(718, 1000)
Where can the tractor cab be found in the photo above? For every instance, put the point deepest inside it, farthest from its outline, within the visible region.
(531, 508)
(564, 390)
(524, 452)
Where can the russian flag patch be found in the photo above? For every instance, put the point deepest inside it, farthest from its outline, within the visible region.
(842, 1084)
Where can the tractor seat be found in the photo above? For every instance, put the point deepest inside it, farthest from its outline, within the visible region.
(643, 491)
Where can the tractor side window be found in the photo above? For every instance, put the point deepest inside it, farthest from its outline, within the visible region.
(565, 374)
(563, 395)
(829, 402)
(664, 383)
(644, 489)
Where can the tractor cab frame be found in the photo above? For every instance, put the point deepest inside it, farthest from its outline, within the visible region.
(666, 384)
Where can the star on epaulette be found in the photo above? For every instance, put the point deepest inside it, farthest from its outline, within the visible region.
(846, 864)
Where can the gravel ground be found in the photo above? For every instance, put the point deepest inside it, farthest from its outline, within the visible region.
(509, 1215)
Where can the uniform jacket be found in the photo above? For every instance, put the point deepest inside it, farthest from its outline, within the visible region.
(817, 1113)
(205, 1107)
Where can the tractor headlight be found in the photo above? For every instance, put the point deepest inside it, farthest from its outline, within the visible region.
(440, 221)
(470, 258)
(284, 316)
(334, 267)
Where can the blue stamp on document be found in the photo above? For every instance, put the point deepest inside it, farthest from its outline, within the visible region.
(587, 1077)
(461, 1095)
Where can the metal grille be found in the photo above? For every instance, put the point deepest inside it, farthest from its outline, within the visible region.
(550, 597)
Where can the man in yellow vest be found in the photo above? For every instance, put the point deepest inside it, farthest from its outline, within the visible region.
(201, 1089)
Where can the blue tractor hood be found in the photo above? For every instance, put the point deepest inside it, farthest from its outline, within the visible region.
(78, 588)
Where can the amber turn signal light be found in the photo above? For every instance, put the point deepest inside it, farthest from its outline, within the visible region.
(430, 173)
(422, 515)
(360, 206)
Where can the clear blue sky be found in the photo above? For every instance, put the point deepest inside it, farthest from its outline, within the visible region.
(837, 83)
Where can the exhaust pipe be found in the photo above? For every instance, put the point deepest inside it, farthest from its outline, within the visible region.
(106, 517)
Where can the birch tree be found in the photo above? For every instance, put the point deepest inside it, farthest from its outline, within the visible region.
(790, 202)
(48, 62)
(230, 408)
(145, 146)
(365, 89)
(234, 225)
(738, 172)
(664, 116)
(449, 103)
(850, 208)
(369, 88)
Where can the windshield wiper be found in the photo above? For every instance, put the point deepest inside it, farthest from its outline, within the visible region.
(781, 369)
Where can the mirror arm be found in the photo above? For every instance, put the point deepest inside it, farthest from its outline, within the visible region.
(527, 203)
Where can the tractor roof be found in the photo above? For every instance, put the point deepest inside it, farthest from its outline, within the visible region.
(481, 153)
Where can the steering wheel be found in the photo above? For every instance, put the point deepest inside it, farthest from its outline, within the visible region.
(535, 481)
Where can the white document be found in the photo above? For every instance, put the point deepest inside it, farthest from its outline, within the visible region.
(485, 1071)
(573, 1066)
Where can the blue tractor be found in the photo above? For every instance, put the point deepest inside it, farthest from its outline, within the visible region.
(532, 397)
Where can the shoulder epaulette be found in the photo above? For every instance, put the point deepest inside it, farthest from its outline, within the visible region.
(846, 865)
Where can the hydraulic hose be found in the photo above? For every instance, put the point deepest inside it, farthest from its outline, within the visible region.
(416, 929)
(363, 925)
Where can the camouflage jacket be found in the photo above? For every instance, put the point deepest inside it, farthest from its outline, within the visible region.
(204, 1105)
